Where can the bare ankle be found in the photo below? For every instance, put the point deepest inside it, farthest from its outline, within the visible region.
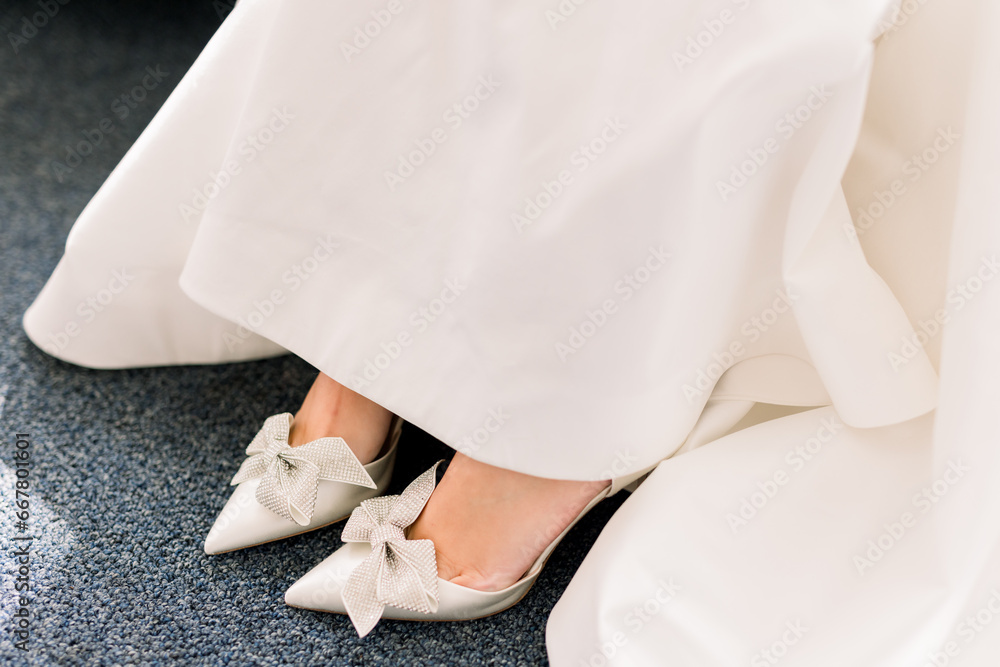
(489, 525)
(332, 410)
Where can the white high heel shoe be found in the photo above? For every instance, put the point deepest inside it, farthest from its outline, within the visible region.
(381, 574)
(284, 491)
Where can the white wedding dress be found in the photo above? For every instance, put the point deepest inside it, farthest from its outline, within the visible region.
(577, 239)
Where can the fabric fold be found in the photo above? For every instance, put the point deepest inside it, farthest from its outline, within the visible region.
(490, 248)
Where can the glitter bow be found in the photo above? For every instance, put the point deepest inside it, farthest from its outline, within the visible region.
(290, 476)
(398, 572)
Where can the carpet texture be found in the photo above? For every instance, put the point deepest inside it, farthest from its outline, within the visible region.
(129, 468)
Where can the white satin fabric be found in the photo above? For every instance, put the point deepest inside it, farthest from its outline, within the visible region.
(804, 540)
(541, 234)
(576, 239)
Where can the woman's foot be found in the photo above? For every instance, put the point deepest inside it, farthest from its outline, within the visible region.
(332, 410)
(490, 524)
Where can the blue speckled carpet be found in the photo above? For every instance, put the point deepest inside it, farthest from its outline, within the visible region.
(129, 468)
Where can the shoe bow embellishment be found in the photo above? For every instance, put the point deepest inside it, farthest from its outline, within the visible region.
(290, 476)
(398, 572)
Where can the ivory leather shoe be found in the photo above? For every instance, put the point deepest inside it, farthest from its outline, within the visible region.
(283, 491)
(381, 574)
